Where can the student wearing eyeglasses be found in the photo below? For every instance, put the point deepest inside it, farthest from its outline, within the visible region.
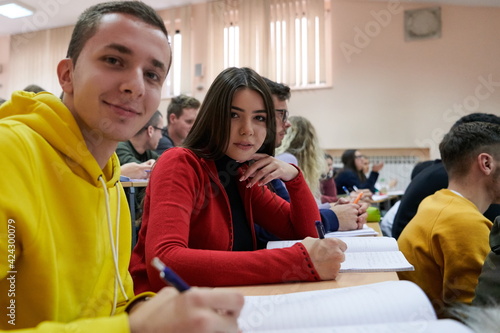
(138, 155)
(352, 174)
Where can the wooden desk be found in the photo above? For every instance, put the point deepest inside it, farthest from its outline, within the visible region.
(129, 187)
(135, 183)
(386, 200)
(343, 280)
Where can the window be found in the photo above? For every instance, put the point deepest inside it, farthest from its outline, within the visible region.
(178, 24)
(285, 40)
(172, 85)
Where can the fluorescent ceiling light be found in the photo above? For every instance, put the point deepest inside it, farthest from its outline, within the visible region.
(15, 10)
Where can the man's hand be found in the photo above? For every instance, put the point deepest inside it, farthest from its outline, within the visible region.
(193, 311)
(137, 171)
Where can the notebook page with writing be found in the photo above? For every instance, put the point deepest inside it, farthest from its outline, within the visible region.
(367, 304)
(371, 244)
(365, 231)
(354, 244)
(434, 326)
(387, 261)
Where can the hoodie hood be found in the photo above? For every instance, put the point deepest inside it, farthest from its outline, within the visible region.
(45, 114)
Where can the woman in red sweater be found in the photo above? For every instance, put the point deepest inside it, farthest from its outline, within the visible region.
(203, 200)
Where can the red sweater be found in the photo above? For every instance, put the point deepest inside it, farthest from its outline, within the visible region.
(187, 224)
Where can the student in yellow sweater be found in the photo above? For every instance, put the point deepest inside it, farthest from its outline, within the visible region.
(65, 230)
(447, 240)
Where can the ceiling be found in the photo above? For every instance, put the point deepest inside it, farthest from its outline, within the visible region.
(58, 13)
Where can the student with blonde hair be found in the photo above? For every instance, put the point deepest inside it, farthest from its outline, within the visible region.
(300, 146)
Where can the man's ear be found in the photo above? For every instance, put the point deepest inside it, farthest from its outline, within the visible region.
(171, 118)
(65, 75)
(486, 163)
(150, 130)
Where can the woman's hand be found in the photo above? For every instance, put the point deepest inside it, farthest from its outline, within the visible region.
(266, 168)
(377, 167)
(326, 254)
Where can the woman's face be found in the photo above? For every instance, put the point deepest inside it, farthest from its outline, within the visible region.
(359, 160)
(248, 125)
(366, 165)
(329, 165)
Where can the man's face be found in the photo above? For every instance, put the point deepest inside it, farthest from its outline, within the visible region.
(156, 134)
(181, 126)
(115, 86)
(281, 126)
(495, 181)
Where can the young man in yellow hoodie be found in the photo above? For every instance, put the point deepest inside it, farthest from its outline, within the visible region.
(65, 230)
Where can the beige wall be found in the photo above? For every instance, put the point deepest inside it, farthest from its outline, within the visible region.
(389, 93)
(402, 94)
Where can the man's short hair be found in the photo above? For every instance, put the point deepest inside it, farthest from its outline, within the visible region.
(179, 103)
(278, 89)
(478, 116)
(464, 142)
(89, 21)
(153, 121)
(33, 88)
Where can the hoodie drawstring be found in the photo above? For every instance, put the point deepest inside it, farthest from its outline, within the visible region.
(114, 246)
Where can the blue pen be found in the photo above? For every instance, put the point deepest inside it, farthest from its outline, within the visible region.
(345, 190)
(320, 229)
(169, 275)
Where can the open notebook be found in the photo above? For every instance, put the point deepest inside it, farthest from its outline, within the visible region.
(393, 306)
(366, 254)
(365, 231)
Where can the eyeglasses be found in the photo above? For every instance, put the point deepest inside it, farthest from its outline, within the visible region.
(283, 114)
(156, 128)
(359, 156)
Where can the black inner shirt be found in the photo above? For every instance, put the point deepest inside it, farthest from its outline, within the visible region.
(227, 169)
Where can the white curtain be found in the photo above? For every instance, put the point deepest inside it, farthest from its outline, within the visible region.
(179, 19)
(286, 40)
(34, 57)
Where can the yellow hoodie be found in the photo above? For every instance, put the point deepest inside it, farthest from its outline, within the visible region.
(57, 270)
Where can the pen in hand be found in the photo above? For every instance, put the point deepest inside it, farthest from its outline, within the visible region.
(167, 274)
(320, 229)
(346, 190)
(360, 195)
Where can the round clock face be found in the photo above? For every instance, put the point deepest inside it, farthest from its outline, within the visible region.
(423, 23)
